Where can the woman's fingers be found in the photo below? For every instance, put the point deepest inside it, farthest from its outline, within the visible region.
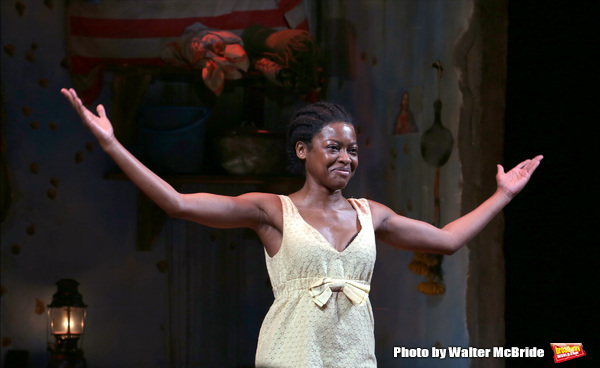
(86, 115)
(523, 164)
(101, 111)
(534, 163)
(530, 164)
(72, 97)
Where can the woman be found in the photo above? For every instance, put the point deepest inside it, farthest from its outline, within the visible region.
(320, 246)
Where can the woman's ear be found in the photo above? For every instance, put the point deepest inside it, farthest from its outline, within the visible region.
(301, 149)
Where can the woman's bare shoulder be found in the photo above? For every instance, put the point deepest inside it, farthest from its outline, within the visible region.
(378, 207)
(379, 212)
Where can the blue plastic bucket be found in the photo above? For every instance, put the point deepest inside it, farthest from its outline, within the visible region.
(172, 142)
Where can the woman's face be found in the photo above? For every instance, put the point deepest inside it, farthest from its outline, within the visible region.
(333, 157)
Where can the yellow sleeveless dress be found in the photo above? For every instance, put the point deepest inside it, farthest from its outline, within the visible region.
(321, 316)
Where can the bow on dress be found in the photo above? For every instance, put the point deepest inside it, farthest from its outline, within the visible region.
(321, 290)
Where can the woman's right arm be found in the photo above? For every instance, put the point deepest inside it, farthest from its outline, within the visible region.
(204, 208)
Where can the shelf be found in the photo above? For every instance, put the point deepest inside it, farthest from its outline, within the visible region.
(219, 179)
(151, 218)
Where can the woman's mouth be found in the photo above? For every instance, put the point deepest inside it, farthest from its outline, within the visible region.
(344, 171)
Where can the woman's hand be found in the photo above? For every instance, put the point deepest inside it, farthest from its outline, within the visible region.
(512, 182)
(98, 124)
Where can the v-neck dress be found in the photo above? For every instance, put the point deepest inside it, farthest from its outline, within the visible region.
(321, 316)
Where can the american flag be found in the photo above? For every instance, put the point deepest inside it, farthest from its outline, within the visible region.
(134, 32)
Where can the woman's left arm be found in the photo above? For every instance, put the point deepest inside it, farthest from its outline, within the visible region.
(409, 234)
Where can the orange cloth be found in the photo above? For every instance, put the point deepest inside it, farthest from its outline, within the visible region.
(219, 54)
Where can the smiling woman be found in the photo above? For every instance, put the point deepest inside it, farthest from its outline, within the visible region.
(319, 246)
(322, 138)
(308, 122)
(334, 149)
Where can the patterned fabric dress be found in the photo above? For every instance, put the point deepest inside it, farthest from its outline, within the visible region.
(321, 316)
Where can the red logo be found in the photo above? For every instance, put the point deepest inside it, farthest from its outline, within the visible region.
(564, 352)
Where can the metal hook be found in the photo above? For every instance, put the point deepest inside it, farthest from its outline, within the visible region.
(440, 70)
(439, 67)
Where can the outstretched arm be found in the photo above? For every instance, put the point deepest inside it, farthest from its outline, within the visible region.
(208, 209)
(416, 235)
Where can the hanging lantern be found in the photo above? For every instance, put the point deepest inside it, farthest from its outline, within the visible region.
(66, 321)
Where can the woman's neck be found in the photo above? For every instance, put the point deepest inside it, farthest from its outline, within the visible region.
(317, 196)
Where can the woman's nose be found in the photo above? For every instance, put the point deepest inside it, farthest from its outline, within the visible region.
(344, 157)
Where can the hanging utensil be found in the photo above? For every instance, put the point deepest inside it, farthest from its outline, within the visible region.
(437, 143)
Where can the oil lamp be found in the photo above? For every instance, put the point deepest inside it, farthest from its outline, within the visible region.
(66, 318)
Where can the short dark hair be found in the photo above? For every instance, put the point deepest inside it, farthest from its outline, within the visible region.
(307, 122)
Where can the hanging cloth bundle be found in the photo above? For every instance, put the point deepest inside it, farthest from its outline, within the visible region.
(219, 54)
(288, 58)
